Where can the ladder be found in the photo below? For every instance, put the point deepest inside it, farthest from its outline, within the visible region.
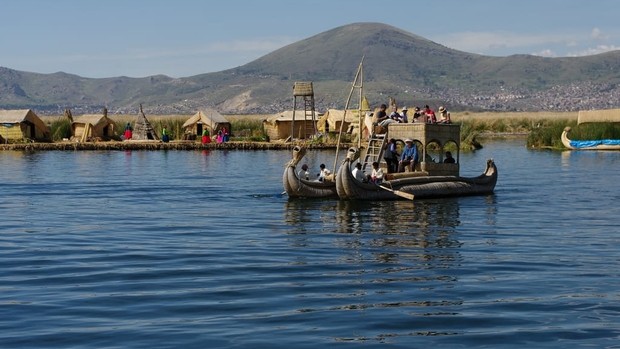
(305, 91)
(373, 151)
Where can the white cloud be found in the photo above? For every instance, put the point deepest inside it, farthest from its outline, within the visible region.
(545, 53)
(594, 50)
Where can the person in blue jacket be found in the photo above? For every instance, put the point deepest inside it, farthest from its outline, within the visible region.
(409, 157)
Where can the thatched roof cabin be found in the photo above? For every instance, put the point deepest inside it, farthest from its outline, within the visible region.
(209, 119)
(20, 124)
(278, 126)
(90, 127)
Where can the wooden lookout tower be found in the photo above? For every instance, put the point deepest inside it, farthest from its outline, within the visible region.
(306, 128)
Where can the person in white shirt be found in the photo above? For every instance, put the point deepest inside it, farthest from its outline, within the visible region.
(324, 173)
(377, 173)
(358, 173)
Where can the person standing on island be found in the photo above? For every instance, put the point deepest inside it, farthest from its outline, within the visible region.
(164, 135)
(128, 131)
(205, 137)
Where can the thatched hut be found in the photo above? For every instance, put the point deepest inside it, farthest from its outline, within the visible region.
(207, 119)
(278, 126)
(20, 124)
(90, 127)
(142, 128)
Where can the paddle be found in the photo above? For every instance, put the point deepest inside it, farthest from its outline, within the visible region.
(400, 193)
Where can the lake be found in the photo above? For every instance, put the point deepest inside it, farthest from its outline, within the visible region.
(200, 249)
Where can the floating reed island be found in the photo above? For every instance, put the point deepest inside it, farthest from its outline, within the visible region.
(156, 145)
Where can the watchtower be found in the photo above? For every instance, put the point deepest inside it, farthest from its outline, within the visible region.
(307, 128)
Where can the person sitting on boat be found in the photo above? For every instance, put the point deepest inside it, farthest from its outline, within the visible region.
(392, 118)
(403, 116)
(449, 159)
(390, 155)
(417, 114)
(377, 174)
(430, 115)
(324, 173)
(445, 116)
(303, 173)
(358, 173)
(380, 115)
(409, 157)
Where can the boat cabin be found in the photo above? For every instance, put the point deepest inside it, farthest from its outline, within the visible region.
(432, 141)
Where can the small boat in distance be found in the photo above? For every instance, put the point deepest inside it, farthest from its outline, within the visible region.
(602, 144)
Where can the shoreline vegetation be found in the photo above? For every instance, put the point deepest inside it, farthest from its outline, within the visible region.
(541, 129)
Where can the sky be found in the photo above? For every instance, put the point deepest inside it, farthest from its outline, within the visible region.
(180, 38)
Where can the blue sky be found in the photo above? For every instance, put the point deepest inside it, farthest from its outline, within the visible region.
(138, 38)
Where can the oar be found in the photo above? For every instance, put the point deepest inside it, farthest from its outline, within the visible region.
(400, 193)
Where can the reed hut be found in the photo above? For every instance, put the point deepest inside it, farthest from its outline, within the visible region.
(207, 119)
(91, 127)
(278, 126)
(22, 124)
(142, 128)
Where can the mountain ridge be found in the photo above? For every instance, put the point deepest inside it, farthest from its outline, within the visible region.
(399, 64)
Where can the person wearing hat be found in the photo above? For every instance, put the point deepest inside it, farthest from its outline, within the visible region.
(409, 157)
(445, 116)
(403, 116)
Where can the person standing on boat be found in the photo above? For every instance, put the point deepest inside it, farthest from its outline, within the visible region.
(377, 174)
(391, 156)
(324, 173)
(409, 157)
(358, 173)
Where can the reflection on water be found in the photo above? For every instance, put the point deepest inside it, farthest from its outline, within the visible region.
(394, 230)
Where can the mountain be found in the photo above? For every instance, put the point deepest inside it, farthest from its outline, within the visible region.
(397, 64)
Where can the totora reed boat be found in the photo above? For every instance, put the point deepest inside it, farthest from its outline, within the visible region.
(297, 187)
(602, 144)
(431, 178)
(418, 187)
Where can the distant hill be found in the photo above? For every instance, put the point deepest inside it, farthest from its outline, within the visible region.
(399, 64)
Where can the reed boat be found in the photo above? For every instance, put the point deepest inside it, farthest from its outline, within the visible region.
(602, 144)
(418, 185)
(297, 187)
(431, 178)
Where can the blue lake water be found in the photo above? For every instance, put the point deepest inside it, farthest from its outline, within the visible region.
(199, 249)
